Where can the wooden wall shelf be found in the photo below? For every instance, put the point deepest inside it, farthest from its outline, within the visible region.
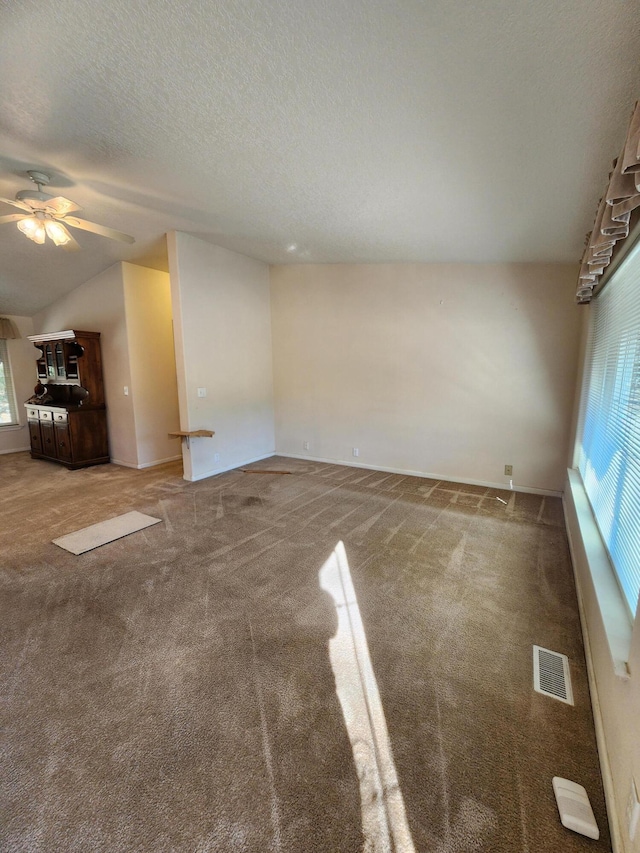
(187, 435)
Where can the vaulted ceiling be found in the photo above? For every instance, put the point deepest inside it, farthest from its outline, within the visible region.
(325, 131)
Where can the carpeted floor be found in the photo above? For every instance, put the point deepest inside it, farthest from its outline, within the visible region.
(201, 686)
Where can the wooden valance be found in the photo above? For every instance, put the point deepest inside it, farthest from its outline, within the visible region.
(614, 212)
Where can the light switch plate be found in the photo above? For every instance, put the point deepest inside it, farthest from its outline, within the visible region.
(202, 392)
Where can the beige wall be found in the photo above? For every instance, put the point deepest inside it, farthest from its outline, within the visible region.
(223, 343)
(22, 357)
(153, 390)
(131, 308)
(451, 370)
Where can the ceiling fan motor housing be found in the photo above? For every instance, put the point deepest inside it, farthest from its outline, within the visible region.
(36, 198)
(33, 197)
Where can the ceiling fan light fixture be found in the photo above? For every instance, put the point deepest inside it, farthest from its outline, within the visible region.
(32, 228)
(48, 216)
(28, 225)
(57, 232)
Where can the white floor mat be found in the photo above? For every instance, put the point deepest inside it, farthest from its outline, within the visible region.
(106, 531)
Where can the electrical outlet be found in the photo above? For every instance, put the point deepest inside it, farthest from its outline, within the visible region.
(305, 445)
(126, 390)
(202, 392)
(633, 811)
(216, 457)
(508, 470)
(356, 451)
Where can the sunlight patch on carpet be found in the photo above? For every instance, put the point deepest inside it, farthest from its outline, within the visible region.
(104, 532)
(384, 821)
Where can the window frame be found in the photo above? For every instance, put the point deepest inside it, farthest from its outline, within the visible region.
(10, 388)
(601, 372)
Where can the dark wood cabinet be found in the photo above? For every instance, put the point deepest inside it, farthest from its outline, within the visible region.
(35, 437)
(67, 416)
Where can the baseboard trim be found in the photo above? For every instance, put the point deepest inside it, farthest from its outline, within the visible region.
(16, 450)
(123, 464)
(144, 464)
(530, 490)
(235, 465)
(160, 461)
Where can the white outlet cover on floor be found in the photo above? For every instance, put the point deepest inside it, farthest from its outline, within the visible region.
(574, 807)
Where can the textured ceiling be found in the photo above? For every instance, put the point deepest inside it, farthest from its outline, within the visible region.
(368, 130)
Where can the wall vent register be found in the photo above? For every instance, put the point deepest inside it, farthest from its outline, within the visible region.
(551, 675)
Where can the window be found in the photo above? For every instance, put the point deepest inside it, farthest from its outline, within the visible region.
(609, 453)
(8, 408)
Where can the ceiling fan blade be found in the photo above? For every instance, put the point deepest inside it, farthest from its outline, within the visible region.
(72, 245)
(19, 204)
(62, 205)
(85, 225)
(11, 217)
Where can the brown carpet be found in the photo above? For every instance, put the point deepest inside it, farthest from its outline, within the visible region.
(183, 689)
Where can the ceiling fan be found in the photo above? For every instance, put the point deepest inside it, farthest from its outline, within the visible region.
(44, 215)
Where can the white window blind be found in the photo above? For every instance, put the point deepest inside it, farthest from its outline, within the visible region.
(8, 409)
(609, 457)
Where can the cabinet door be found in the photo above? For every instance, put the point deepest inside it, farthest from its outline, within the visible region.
(60, 361)
(34, 436)
(73, 351)
(48, 354)
(63, 441)
(41, 362)
(48, 439)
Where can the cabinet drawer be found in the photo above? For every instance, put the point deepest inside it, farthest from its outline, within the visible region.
(60, 417)
(32, 414)
(46, 416)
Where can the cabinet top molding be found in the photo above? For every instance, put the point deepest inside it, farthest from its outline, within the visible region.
(67, 335)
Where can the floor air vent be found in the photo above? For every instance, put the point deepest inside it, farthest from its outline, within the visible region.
(551, 675)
